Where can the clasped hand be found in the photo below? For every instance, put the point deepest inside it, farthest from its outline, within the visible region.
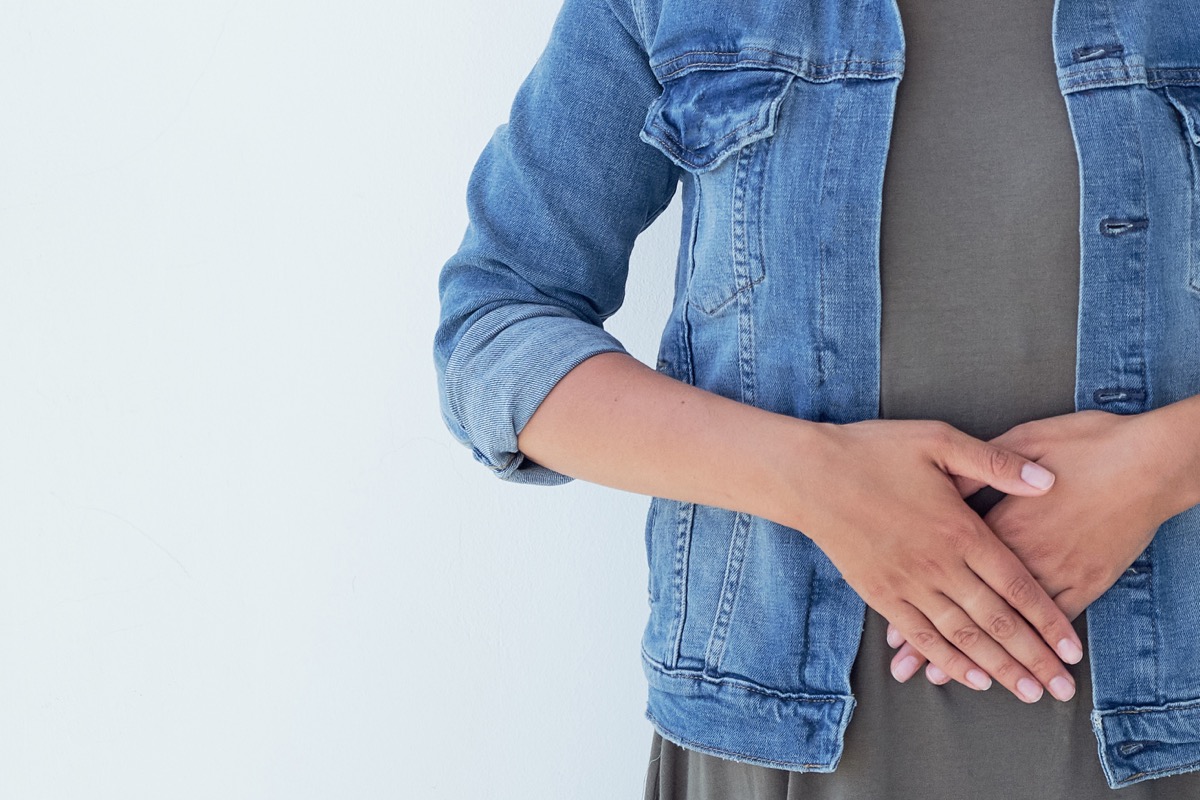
(992, 596)
(1117, 479)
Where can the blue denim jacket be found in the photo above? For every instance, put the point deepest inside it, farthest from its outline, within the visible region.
(774, 117)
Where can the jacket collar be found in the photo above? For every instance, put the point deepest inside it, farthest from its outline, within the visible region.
(1094, 44)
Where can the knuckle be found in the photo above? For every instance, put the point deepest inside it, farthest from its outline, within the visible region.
(1006, 672)
(999, 460)
(923, 639)
(929, 566)
(874, 589)
(1036, 550)
(1049, 630)
(1043, 665)
(1001, 625)
(948, 434)
(952, 663)
(939, 432)
(960, 535)
(967, 636)
(1019, 591)
(1094, 574)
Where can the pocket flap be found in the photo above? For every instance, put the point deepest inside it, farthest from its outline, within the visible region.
(1187, 100)
(704, 115)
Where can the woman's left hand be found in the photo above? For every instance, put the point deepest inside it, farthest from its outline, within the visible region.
(1118, 478)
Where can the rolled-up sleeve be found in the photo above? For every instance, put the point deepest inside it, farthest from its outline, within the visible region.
(554, 204)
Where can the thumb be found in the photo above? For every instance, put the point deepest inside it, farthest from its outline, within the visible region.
(983, 463)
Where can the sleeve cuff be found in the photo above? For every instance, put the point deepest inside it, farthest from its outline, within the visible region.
(501, 371)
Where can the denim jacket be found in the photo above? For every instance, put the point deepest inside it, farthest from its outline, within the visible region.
(774, 118)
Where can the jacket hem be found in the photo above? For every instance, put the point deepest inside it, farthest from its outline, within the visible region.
(1139, 743)
(737, 720)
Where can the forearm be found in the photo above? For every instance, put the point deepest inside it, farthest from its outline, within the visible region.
(613, 420)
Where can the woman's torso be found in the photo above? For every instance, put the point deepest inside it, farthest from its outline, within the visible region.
(979, 273)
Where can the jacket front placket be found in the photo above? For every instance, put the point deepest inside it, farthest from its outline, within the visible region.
(1102, 83)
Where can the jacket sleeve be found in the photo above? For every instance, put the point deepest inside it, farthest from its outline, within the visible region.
(555, 202)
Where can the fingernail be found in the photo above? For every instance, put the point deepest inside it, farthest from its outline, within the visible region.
(1069, 651)
(905, 669)
(935, 674)
(1030, 689)
(979, 678)
(1036, 475)
(893, 637)
(1061, 688)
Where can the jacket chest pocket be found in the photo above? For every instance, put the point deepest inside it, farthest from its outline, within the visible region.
(717, 124)
(1186, 100)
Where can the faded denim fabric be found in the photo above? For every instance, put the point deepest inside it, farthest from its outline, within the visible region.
(774, 118)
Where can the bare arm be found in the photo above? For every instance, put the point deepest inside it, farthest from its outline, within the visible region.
(615, 421)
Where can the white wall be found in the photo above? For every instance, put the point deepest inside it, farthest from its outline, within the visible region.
(240, 555)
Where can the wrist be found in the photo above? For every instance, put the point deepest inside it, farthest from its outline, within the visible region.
(792, 457)
(1173, 436)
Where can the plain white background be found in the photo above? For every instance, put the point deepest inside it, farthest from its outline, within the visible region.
(240, 555)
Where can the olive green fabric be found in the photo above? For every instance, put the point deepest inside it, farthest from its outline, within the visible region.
(979, 240)
(918, 741)
(979, 258)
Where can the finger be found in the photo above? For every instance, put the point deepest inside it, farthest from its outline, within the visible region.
(1072, 601)
(961, 630)
(1008, 577)
(1022, 439)
(917, 627)
(1006, 470)
(906, 650)
(1028, 439)
(932, 672)
(935, 675)
(1007, 644)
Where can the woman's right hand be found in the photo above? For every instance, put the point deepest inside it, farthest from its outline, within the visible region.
(882, 504)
